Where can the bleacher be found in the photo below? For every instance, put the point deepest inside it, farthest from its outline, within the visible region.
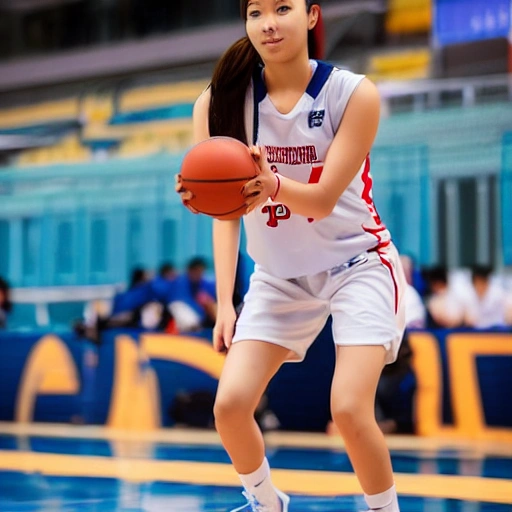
(408, 17)
(123, 124)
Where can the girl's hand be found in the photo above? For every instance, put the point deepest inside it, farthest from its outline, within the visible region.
(224, 328)
(186, 195)
(264, 186)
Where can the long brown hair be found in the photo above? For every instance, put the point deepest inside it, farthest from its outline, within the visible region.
(232, 77)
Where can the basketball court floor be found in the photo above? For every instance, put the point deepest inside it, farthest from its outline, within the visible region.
(67, 468)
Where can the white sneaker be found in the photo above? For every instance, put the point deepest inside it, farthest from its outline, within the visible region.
(253, 505)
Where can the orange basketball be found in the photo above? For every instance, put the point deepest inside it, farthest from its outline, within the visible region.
(215, 171)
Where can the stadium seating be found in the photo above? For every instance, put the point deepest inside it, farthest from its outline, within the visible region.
(411, 64)
(147, 120)
(408, 17)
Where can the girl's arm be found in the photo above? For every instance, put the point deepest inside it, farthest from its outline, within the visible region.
(348, 150)
(226, 242)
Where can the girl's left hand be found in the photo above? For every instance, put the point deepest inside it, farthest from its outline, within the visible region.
(186, 195)
(265, 185)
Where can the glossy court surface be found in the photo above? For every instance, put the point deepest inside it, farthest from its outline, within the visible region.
(65, 468)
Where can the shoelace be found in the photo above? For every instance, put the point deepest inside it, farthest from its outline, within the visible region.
(255, 505)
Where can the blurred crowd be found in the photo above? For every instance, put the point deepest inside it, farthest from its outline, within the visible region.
(475, 299)
(168, 301)
(174, 301)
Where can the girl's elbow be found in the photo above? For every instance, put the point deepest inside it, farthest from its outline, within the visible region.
(324, 210)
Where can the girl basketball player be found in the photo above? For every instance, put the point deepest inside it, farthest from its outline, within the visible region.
(318, 243)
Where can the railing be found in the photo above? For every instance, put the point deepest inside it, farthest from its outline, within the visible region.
(421, 95)
(42, 298)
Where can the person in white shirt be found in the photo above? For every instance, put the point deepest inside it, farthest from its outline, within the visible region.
(415, 311)
(487, 305)
(312, 228)
(444, 306)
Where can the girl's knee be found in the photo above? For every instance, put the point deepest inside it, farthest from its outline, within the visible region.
(231, 405)
(350, 416)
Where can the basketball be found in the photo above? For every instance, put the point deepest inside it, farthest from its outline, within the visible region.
(215, 171)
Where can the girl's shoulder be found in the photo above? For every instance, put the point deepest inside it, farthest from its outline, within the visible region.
(342, 77)
(203, 101)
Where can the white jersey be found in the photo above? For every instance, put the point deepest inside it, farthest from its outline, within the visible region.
(288, 245)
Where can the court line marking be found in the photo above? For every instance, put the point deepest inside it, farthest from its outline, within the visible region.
(470, 447)
(316, 483)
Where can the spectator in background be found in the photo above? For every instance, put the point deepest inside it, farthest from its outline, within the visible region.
(417, 279)
(5, 302)
(445, 310)
(123, 311)
(138, 277)
(415, 312)
(487, 305)
(163, 282)
(129, 302)
(156, 314)
(193, 305)
(167, 271)
(394, 399)
(135, 307)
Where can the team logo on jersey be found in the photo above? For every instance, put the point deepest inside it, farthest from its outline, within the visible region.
(276, 213)
(316, 118)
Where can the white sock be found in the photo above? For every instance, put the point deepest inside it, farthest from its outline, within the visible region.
(386, 501)
(259, 484)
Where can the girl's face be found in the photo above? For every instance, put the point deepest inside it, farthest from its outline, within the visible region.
(278, 29)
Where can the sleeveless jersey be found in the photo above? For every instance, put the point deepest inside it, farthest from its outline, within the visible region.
(288, 245)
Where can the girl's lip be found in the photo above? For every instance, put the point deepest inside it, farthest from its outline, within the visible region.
(273, 41)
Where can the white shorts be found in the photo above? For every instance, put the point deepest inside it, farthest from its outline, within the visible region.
(364, 297)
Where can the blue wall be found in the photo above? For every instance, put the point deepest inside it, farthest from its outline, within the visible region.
(298, 394)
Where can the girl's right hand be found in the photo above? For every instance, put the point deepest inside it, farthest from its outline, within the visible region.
(186, 195)
(224, 328)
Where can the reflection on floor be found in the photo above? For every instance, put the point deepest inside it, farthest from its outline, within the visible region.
(64, 468)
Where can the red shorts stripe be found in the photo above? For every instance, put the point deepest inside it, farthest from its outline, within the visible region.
(389, 266)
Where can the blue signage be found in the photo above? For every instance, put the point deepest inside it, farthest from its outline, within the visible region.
(461, 21)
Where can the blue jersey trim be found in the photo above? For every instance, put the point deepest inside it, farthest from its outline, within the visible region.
(321, 75)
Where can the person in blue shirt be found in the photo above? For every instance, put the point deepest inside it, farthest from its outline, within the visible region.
(136, 296)
(197, 292)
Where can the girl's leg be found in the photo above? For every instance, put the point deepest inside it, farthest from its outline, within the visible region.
(357, 373)
(247, 371)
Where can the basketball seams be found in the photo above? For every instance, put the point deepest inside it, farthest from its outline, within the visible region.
(222, 180)
(223, 214)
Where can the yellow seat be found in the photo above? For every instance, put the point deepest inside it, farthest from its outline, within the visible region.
(409, 17)
(406, 65)
(161, 95)
(41, 113)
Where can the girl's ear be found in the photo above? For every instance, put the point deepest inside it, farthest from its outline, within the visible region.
(314, 15)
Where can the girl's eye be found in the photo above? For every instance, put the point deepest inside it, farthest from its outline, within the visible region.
(254, 14)
(283, 9)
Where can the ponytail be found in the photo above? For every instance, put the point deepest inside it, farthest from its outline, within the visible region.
(232, 77)
(230, 81)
